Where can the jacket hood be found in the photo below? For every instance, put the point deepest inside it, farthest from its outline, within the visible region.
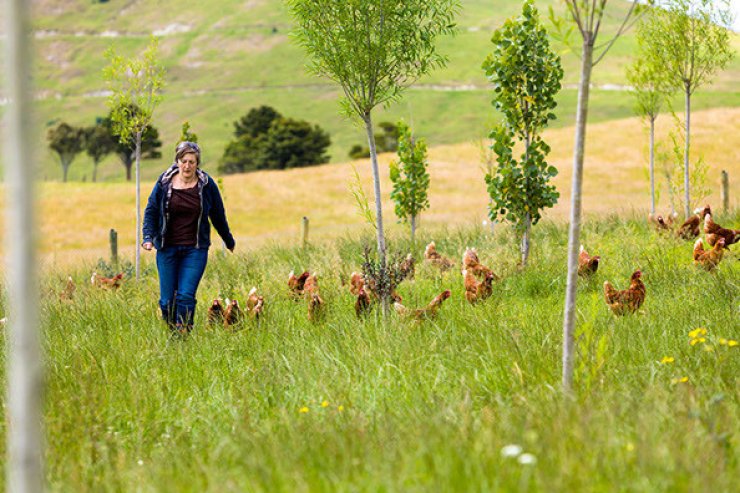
(167, 176)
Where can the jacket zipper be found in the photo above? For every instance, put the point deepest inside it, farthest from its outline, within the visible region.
(200, 216)
(166, 215)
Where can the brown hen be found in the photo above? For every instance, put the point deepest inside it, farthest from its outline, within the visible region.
(216, 312)
(296, 284)
(587, 264)
(363, 303)
(478, 290)
(714, 232)
(709, 259)
(433, 257)
(233, 314)
(628, 300)
(255, 304)
(429, 311)
(471, 263)
(691, 228)
(107, 282)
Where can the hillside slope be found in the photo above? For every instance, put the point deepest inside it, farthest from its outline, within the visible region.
(224, 57)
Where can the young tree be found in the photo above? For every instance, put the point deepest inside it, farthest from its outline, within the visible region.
(186, 135)
(410, 178)
(135, 84)
(526, 77)
(98, 143)
(67, 141)
(650, 92)
(587, 16)
(373, 49)
(690, 42)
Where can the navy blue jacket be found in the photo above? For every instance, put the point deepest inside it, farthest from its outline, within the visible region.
(211, 206)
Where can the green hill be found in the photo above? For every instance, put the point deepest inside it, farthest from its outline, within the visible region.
(227, 56)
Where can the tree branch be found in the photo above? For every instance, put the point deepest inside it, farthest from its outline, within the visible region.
(619, 33)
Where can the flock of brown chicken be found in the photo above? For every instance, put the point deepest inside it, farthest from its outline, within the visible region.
(228, 312)
(716, 236)
(719, 238)
(477, 278)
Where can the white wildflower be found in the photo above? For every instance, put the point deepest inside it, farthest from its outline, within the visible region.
(512, 450)
(527, 459)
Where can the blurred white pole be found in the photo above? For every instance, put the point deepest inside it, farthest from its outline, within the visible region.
(24, 437)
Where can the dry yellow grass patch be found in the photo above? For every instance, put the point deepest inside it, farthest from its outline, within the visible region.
(76, 218)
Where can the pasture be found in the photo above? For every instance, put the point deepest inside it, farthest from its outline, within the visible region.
(358, 405)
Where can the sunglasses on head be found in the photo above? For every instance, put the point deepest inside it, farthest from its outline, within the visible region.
(188, 145)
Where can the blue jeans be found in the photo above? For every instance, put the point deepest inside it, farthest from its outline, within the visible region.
(180, 270)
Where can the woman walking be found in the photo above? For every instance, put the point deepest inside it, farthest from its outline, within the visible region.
(176, 223)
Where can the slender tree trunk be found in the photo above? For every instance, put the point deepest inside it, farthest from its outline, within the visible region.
(24, 464)
(652, 164)
(138, 204)
(128, 170)
(95, 171)
(687, 196)
(574, 234)
(367, 118)
(413, 229)
(527, 216)
(492, 222)
(65, 169)
(525, 239)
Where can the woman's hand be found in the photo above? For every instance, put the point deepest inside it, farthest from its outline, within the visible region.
(147, 245)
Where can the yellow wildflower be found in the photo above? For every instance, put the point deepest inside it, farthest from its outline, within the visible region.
(667, 359)
(694, 342)
(697, 332)
(732, 343)
(340, 408)
(680, 380)
(722, 341)
(303, 410)
(630, 446)
(325, 404)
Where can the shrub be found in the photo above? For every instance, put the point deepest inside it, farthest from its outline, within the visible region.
(267, 140)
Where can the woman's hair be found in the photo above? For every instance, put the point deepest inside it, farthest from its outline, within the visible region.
(187, 147)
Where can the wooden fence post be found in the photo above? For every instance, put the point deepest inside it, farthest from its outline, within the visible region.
(725, 191)
(304, 230)
(113, 247)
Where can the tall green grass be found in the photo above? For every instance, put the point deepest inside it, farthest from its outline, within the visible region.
(403, 406)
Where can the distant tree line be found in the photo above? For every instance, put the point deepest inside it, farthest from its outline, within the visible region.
(98, 141)
(263, 140)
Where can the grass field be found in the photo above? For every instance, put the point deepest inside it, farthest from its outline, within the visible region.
(357, 405)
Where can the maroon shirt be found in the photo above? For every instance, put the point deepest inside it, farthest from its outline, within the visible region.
(183, 213)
